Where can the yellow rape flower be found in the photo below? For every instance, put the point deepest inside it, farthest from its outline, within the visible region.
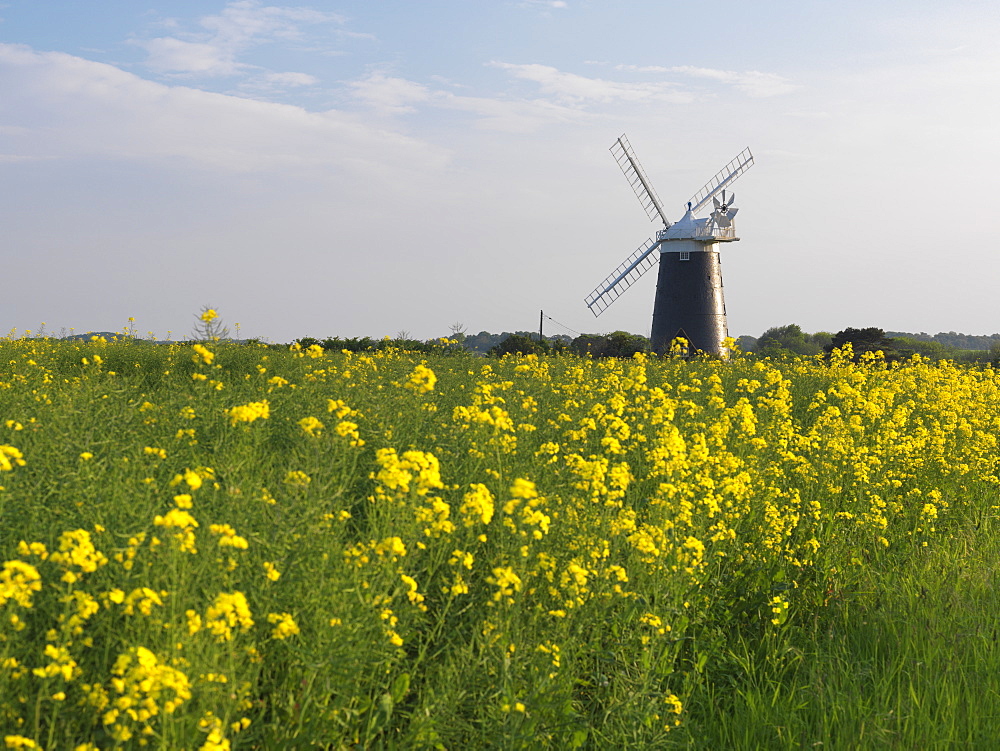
(35, 548)
(419, 468)
(202, 354)
(477, 505)
(249, 412)
(311, 425)
(19, 741)
(193, 621)
(421, 380)
(142, 599)
(339, 408)
(179, 519)
(349, 430)
(77, 551)
(62, 664)
(146, 687)
(297, 479)
(10, 457)
(229, 611)
(779, 610)
(284, 625)
(228, 537)
(506, 582)
(18, 581)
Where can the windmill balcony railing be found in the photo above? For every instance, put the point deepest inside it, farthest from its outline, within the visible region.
(704, 232)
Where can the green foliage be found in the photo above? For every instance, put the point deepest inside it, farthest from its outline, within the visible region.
(790, 340)
(519, 344)
(934, 350)
(863, 341)
(367, 344)
(615, 344)
(484, 341)
(951, 340)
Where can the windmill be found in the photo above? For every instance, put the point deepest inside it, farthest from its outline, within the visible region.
(689, 301)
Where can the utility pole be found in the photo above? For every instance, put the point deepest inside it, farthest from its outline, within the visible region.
(541, 317)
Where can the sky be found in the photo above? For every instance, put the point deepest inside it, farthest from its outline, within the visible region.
(387, 167)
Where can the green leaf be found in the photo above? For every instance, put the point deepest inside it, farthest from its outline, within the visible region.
(702, 661)
(385, 707)
(400, 686)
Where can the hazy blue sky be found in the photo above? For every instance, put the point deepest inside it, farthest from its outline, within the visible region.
(362, 168)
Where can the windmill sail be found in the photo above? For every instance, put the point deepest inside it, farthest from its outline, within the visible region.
(623, 277)
(636, 176)
(726, 176)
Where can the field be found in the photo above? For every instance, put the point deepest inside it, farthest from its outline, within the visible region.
(235, 546)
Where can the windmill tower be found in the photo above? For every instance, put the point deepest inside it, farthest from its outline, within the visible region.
(689, 301)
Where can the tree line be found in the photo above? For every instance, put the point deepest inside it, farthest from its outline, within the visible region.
(779, 342)
(791, 340)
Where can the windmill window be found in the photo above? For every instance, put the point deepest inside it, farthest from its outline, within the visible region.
(685, 255)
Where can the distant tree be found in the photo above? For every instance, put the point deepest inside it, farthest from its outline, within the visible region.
(995, 354)
(907, 347)
(519, 344)
(821, 339)
(782, 340)
(615, 344)
(353, 344)
(922, 336)
(624, 344)
(484, 340)
(457, 331)
(747, 343)
(559, 342)
(864, 340)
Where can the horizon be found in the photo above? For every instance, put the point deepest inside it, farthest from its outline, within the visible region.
(149, 336)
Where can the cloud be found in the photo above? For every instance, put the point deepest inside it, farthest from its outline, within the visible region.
(558, 4)
(291, 79)
(751, 82)
(16, 158)
(388, 94)
(171, 55)
(577, 90)
(217, 48)
(60, 105)
(509, 116)
(247, 21)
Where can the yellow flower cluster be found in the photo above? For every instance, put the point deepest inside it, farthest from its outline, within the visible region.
(142, 688)
(229, 611)
(249, 412)
(421, 380)
(10, 457)
(18, 581)
(202, 354)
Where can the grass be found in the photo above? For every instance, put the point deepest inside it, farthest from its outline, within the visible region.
(908, 658)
